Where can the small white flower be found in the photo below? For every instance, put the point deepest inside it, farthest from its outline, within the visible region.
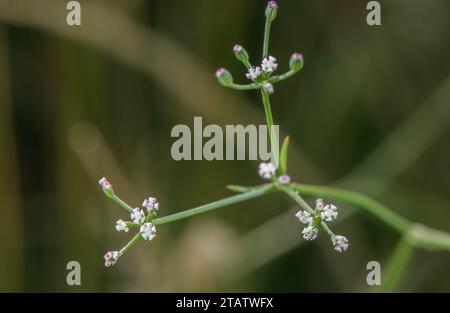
(121, 226)
(284, 179)
(266, 170)
(340, 243)
(304, 217)
(104, 183)
(310, 232)
(329, 213)
(269, 64)
(138, 216)
(111, 258)
(148, 231)
(151, 204)
(319, 204)
(253, 73)
(269, 88)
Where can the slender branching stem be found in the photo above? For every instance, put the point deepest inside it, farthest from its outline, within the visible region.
(297, 199)
(278, 78)
(130, 243)
(270, 125)
(122, 203)
(214, 205)
(413, 235)
(266, 38)
(244, 87)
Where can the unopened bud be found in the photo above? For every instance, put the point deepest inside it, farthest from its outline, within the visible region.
(240, 53)
(106, 187)
(271, 10)
(269, 88)
(296, 62)
(224, 77)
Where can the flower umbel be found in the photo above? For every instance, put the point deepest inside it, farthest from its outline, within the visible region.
(139, 219)
(269, 64)
(253, 73)
(317, 218)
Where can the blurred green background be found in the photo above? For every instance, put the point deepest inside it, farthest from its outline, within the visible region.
(369, 112)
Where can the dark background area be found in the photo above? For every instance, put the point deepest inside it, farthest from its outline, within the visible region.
(370, 112)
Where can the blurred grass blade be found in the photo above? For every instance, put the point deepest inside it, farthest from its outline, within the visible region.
(396, 266)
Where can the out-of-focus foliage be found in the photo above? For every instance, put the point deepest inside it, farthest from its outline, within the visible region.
(100, 100)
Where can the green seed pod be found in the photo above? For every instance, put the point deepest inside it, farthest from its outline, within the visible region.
(224, 77)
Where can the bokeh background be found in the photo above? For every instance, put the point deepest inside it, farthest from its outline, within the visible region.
(369, 112)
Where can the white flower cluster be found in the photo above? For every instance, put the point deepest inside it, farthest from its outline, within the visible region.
(148, 231)
(266, 170)
(140, 217)
(340, 243)
(111, 258)
(268, 65)
(325, 213)
(137, 216)
(311, 231)
(151, 204)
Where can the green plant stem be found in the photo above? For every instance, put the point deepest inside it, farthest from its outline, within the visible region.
(276, 79)
(297, 198)
(397, 265)
(428, 238)
(244, 87)
(130, 243)
(214, 205)
(327, 230)
(122, 203)
(266, 38)
(269, 120)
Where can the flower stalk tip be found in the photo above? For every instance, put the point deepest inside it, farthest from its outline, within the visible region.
(106, 187)
(224, 77)
(242, 55)
(296, 62)
(271, 10)
(111, 258)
